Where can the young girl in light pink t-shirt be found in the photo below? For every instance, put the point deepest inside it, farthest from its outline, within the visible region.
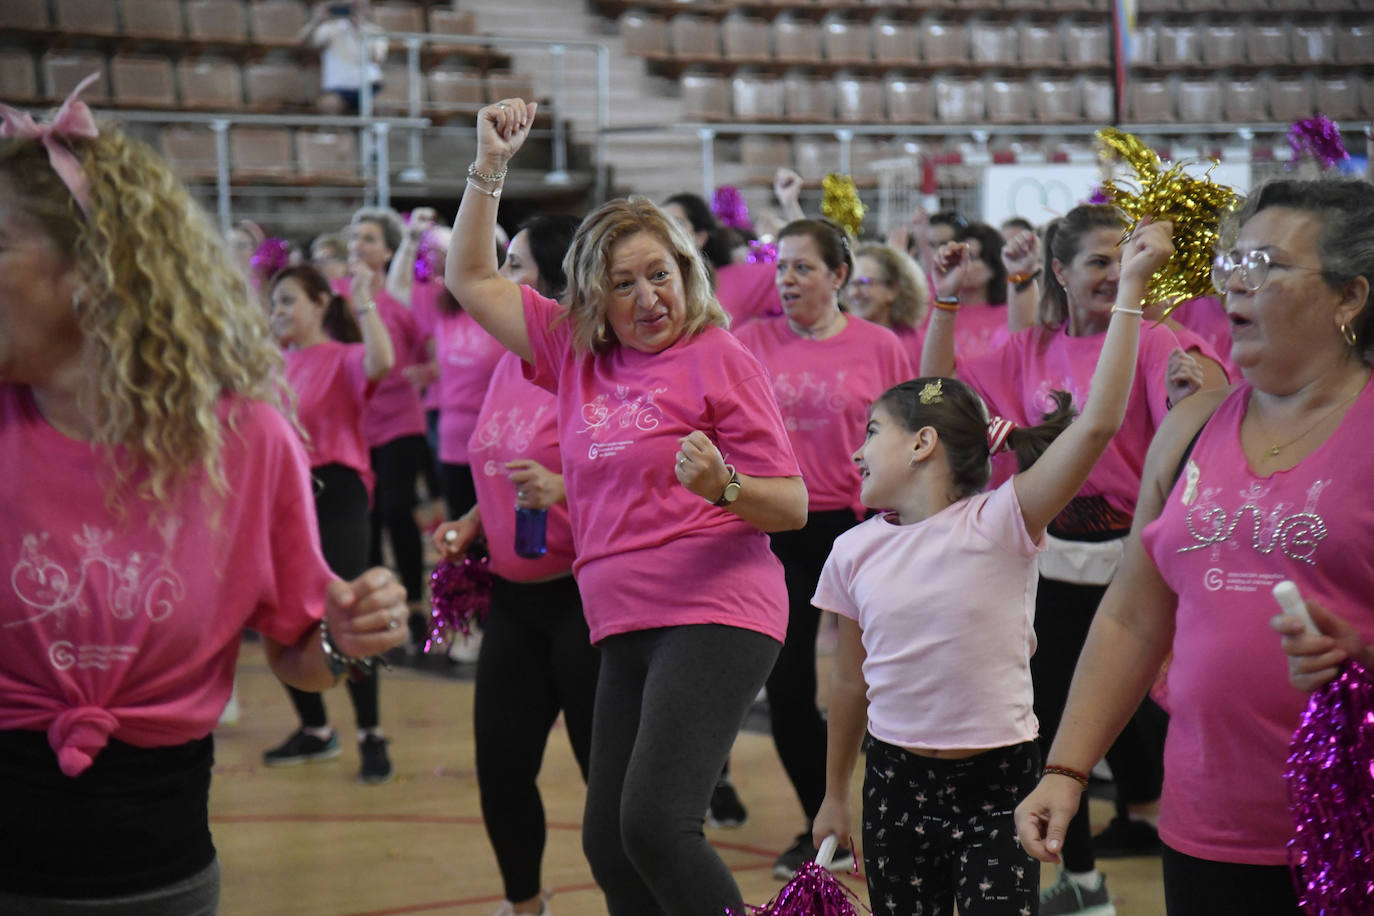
(936, 599)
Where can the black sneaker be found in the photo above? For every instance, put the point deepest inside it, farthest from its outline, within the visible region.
(302, 747)
(1125, 837)
(376, 766)
(726, 810)
(803, 851)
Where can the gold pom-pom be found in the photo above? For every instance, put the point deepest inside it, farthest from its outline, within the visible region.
(1196, 207)
(841, 203)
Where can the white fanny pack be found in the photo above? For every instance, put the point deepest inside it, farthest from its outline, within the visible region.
(1081, 562)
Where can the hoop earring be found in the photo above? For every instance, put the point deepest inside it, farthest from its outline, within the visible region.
(1348, 335)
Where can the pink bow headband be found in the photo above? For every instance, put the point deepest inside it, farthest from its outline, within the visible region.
(998, 431)
(72, 120)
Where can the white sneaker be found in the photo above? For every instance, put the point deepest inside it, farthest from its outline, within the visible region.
(230, 714)
(508, 909)
(464, 650)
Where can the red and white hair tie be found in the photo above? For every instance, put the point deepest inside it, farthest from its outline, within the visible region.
(998, 431)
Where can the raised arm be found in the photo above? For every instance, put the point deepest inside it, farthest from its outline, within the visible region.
(1021, 258)
(1047, 486)
(948, 267)
(471, 273)
(378, 353)
(400, 277)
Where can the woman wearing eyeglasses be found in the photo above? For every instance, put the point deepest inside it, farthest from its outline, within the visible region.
(1242, 488)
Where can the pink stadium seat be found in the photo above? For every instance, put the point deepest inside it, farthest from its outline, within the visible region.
(859, 99)
(190, 151)
(260, 152)
(909, 100)
(94, 17)
(1290, 99)
(644, 33)
(1099, 97)
(398, 17)
(1244, 101)
(210, 83)
(846, 42)
(746, 38)
(944, 43)
(1057, 101)
(1008, 101)
(507, 84)
(1268, 44)
(274, 22)
(1223, 44)
(694, 37)
(1313, 44)
(960, 101)
(1151, 101)
(455, 89)
(1339, 97)
(808, 99)
(796, 39)
(1355, 44)
(1087, 44)
(705, 97)
(756, 97)
(1179, 45)
(25, 14)
(216, 20)
(328, 154)
(1199, 102)
(154, 19)
(895, 42)
(992, 43)
(272, 85)
(1040, 46)
(18, 76)
(62, 70)
(143, 81)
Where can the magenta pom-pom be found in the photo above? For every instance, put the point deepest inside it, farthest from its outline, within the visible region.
(1331, 796)
(271, 256)
(428, 258)
(813, 892)
(1319, 137)
(730, 209)
(762, 253)
(459, 594)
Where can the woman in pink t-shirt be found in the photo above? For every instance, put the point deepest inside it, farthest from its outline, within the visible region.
(156, 501)
(654, 398)
(1242, 489)
(936, 601)
(336, 351)
(889, 288)
(827, 368)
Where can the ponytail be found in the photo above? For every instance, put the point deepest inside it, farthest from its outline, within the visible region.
(339, 322)
(1029, 443)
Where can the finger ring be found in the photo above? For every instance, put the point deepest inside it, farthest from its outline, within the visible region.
(682, 461)
(393, 624)
(502, 105)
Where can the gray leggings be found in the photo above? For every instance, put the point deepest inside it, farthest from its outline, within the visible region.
(197, 895)
(668, 705)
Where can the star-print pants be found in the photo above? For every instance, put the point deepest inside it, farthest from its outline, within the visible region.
(940, 831)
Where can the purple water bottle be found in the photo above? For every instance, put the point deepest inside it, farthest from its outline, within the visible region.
(530, 528)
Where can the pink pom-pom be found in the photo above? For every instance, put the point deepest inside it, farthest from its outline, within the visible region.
(428, 259)
(813, 892)
(730, 209)
(271, 256)
(1331, 796)
(762, 253)
(459, 593)
(1318, 136)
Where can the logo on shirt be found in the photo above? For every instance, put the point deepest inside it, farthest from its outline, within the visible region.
(610, 416)
(1295, 532)
(809, 393)
(136, 584)
(510, 430)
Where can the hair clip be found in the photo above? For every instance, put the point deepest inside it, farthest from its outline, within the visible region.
(933, 392)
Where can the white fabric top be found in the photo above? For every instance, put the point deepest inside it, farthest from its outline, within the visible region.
(341, 64)
(947, 608)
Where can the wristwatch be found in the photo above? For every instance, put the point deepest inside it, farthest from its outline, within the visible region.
(731, 492)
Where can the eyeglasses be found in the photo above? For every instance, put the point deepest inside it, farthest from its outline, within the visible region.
(865, 282)
(1253, 266)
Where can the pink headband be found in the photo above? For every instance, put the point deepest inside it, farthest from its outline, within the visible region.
(72, 120)
(998, 430)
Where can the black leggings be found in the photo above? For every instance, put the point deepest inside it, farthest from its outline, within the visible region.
(1063, 614)
(341, 508)
(798, 730)
(668, 705)
(536, 659)
(459, 493)
(1200, 887)
(398, 464)
(937, 831)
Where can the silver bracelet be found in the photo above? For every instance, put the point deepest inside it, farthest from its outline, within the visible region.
(362, 312)
(338, 662)
(492, 193)
(1117, 308)
(474, 172)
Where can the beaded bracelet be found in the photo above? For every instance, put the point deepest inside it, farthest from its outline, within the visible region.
(1023, 281)
(1076, 776)
(947, 303)
(338, 662)
(474, 172)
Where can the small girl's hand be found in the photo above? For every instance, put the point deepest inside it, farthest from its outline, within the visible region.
(700, 467)
(1146, 250)
(950, 263)
(833, 819)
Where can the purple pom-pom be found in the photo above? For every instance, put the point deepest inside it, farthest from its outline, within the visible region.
(1099, 196)
(1331, 796)
(813, 892)
(271, 256)
(1318, 136)
(459, 593)
(730, 209)
(762, 253)
(428, 259)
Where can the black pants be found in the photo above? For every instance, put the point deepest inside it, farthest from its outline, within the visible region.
(398, 464)
(341, 508)
(1200, 887)
(940, 831)
(668, 705)
(798, 729)
(459, 493)
(536, 659)
(1063, 614)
